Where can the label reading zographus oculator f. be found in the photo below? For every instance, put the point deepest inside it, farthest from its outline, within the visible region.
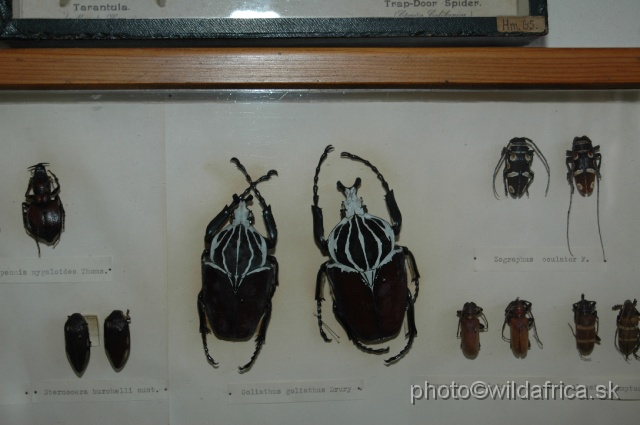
(296, 391)
(528, 259)
(56, 270)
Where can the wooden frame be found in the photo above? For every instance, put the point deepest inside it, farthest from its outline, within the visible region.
(318, 68)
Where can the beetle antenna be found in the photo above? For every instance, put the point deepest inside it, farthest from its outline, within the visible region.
(568, 215)
(324, 155)
(544, 162)
(370, 165)
(598, 216)
(252, 183)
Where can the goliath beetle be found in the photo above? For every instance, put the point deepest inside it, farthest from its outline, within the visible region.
(585, 318)
(583, 171)
(517, 175)
(519, 318)
(239, 277)
(42, 213)
(117, 338)
(366, 270)
(469, 328)
(77, 342)
(627, 332)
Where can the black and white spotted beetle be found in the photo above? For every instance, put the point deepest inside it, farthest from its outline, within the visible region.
(583, 168)
(366, 270)
(239, 277)
(517, 174)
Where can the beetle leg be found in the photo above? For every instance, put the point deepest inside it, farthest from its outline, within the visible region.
(270, 225)
(394, 212)
(27, 226)
(413, 332)
(259, 339)
(318, 229)
(262, 333)
(56, 190)
(218, 221)
(415, 274)
(532, 325)
(503, 326)
(204, 330)
(319, 299)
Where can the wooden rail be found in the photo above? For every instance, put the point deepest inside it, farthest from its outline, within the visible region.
(318, 68)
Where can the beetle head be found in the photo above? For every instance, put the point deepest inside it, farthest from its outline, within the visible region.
(242, 214)
(39, 168)
(470, 310)
(584, 306)
(352, 204)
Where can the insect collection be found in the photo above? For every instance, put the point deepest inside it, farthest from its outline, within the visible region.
(370, 276)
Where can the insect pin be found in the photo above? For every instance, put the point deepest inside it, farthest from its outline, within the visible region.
(583, 172)
(42, 212)
(585, 318)
(520, 320)
(469, 328)
(239, 276)
(366, 269)
(627, 333)
(517, 175)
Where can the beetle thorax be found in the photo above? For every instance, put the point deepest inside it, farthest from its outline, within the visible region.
(352, 205)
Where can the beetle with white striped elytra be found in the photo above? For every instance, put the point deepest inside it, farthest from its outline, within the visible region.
(366, 271)
(239, 276)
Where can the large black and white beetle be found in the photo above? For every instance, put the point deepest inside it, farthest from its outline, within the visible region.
(43, 213)
(239, 277)
(366, 270)
(583, 171)
(517, 175)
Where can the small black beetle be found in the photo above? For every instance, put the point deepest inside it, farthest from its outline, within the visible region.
(239, 277)
(43, 213)
(366, 270)
(585, 317)
(517, 175)
(117, 338)
(77, 342)
(583, 168)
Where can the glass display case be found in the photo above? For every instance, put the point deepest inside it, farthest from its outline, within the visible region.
(140, 141)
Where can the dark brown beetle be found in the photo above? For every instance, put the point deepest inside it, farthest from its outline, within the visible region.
(43, 213)
(366, 270)
(77, 342)
(469, 328)
(117, 338)
(239, 276)
(585, 317)
(627, 332)
(519, 318)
